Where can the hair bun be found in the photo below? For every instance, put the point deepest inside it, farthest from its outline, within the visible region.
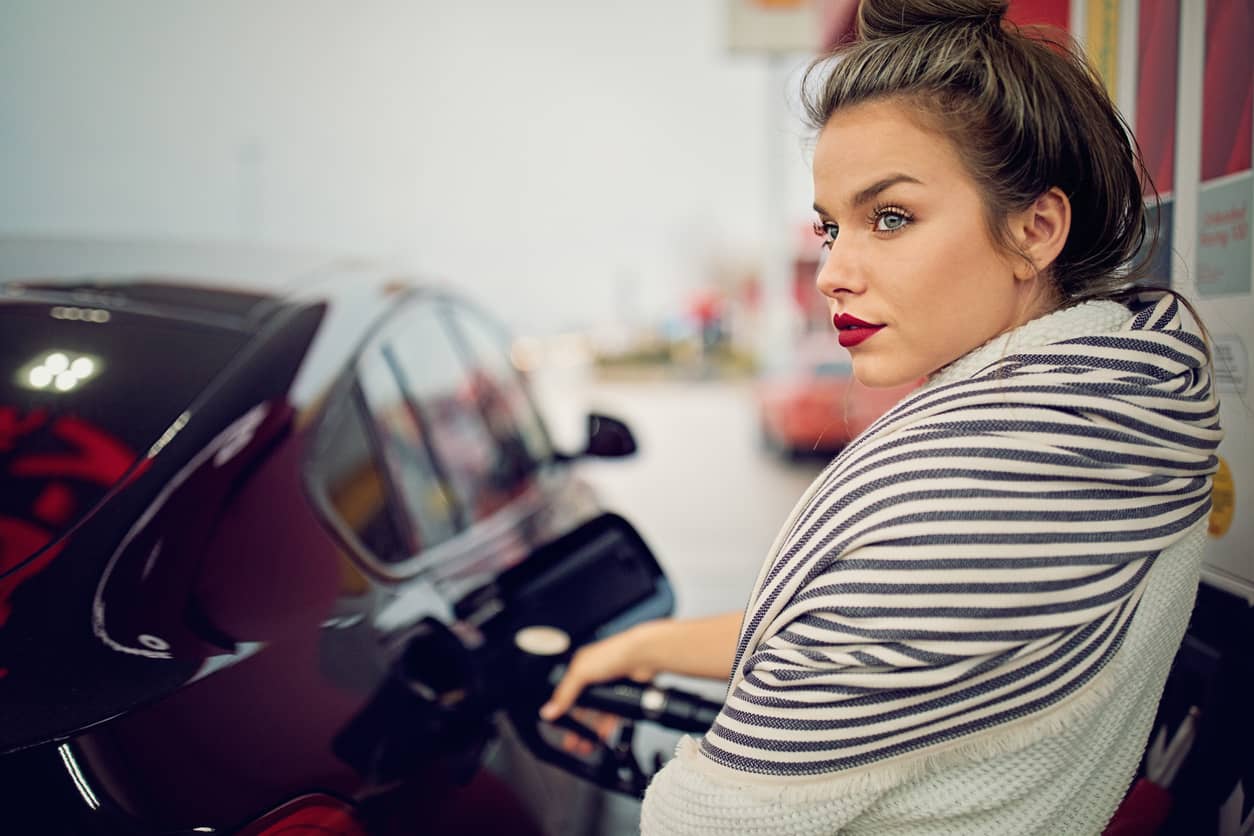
(886, 18)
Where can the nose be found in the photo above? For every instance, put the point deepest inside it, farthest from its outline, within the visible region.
(839, 271)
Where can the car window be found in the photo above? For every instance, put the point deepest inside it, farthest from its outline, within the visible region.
(354, 485)
(431, 511)
(483, 476)
(503, 395)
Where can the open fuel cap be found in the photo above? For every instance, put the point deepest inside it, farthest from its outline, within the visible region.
(540, 640)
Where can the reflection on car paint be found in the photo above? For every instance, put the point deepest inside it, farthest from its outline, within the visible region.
(228, 621)
(80, 463)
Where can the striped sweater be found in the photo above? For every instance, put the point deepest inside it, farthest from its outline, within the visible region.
(957, 581)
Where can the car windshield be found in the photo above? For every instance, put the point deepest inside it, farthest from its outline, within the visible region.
(83, 394)
(128, 374)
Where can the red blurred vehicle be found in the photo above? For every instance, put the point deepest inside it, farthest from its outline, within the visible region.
(810, 403)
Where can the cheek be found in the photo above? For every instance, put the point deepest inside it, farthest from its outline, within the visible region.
(925, 277)
(950, 297)
(959, 268)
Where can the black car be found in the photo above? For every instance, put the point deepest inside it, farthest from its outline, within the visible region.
(269, 537)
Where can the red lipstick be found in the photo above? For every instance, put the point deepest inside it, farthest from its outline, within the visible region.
(850, 330)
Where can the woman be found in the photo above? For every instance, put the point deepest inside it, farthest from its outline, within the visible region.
(966, 623)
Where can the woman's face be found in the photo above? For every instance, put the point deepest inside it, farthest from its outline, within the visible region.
(910, 254)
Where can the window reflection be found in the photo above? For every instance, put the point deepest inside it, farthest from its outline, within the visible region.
(511, 414)
(432, 514)
(455, 407)
(355, 486)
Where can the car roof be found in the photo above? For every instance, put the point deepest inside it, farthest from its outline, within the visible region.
(210, 279)
(239, 286)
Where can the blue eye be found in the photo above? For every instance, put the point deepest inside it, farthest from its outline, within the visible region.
(827, 231)
(890, 220)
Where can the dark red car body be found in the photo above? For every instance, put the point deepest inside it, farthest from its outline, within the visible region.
(230, 552)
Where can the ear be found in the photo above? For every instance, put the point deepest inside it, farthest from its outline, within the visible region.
(1040, 231)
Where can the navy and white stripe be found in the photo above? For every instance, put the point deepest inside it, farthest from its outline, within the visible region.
(976, 555)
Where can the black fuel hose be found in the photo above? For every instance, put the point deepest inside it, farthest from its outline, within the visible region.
(668, 707)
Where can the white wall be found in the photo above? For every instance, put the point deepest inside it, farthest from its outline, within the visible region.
(541, 155)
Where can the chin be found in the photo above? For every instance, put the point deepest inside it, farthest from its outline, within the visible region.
(882, 378)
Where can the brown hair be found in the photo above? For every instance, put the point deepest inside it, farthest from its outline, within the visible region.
(1023, 109)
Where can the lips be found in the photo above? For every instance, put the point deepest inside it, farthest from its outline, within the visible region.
(850, 330)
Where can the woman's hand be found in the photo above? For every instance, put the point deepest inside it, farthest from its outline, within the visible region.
(619, 656)
(703, 647)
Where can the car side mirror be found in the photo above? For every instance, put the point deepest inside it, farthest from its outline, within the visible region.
(608, 437)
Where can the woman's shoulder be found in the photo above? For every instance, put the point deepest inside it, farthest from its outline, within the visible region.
(1093, 318)
(693, 794)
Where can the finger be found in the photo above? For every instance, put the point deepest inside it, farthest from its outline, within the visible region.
(563, 697)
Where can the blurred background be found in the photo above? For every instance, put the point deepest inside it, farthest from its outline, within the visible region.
(570, 164)
(624, 185)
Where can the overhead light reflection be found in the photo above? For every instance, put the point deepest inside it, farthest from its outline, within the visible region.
(80, 314)
(71, 766)
(40, 377)
(59, 371)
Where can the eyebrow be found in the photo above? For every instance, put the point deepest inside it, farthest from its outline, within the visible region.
(874, 189)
